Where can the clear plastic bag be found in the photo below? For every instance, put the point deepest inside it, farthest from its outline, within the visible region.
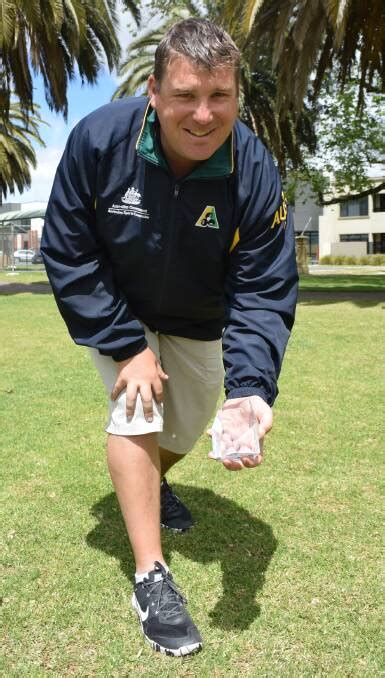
(234, 432)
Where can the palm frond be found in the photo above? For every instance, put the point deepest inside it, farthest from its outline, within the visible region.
(139, 61)
(17, 132)
(310, 35)
(133, 7)
(250, 12)
(51, 38)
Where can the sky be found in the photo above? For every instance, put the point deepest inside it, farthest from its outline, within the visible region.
(81, 101)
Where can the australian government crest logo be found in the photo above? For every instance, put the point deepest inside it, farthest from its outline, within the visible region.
(131, 197)
(131, 201)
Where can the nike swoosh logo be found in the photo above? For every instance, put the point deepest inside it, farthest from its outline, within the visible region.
(143, 615)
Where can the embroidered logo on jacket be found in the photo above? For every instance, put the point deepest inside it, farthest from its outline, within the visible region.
(130, 200)
(281, 213)
(132, 197)
(208, 218)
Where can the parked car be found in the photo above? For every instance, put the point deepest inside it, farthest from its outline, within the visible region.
(37, 258)
(24, 255)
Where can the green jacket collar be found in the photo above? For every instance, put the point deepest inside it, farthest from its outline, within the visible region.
(148, 147)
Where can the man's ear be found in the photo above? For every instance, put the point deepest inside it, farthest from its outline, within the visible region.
(152, 90)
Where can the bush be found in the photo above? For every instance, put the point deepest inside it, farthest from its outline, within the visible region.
(367, 260)
(339, 260)
(378, 259)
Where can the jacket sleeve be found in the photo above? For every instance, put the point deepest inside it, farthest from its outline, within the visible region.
(261, 290)
(81, 276)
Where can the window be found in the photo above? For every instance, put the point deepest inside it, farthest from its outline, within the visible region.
(354, 237)
(378, 243)
(313, 244)
(354, 208)
(379, 202)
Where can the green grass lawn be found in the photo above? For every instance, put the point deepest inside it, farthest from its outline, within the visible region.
(282, 570)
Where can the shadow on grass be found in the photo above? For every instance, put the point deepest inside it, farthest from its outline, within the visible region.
(224, 532)
(9, 288)
(360, 299)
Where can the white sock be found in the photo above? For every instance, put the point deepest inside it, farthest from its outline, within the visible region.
(140, 576)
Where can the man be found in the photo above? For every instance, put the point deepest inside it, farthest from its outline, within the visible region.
(167, 242)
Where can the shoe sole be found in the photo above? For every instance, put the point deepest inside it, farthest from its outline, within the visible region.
(180, 652)
(176, 529)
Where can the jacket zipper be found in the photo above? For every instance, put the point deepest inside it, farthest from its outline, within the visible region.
(171, 227)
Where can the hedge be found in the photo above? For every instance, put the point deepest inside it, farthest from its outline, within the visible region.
(367, 260)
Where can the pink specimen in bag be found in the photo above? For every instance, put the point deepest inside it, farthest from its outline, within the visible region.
(234, 432)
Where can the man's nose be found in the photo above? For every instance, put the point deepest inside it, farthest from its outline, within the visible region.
(203, 113)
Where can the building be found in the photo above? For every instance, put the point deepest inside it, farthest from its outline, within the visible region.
(306, 215)
(354, 227)
(21, 226)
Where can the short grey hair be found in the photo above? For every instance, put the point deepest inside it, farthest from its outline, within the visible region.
(201, 41)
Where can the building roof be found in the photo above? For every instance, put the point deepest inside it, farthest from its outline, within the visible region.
(7, 217)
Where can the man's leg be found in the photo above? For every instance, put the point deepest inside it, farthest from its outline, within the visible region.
(134, 467)
(168, 459)
(174, 515)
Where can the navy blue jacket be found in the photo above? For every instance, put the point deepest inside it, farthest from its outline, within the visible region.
(125, 242)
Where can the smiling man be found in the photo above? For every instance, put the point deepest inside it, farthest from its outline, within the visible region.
(167, 260)
(196, 109)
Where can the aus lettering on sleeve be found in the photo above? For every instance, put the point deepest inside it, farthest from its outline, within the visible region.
(280, 214)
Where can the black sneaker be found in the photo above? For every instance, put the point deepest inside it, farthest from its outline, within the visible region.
(174, 515)
(163, 617)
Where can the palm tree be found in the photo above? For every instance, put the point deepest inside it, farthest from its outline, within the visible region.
(309, 36)
(17, 155)
(55, 38)
(284, 134)
(139, 61)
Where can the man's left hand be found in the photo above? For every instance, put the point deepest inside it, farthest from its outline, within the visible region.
(264, 416)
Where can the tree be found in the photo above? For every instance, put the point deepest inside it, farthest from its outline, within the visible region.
(56, 39)
(53, 38)
(17, 155)
(139, 61)
(288, 135)
(349, 146)
(310, 40)
(309, 37)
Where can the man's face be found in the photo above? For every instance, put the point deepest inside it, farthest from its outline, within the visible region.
(196, 108)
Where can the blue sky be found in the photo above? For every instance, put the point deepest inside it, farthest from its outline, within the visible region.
(81, 101)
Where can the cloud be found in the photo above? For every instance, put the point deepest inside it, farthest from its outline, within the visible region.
(55, 135)
(42, 177)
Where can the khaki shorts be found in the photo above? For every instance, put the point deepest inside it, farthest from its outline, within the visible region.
(190, 395)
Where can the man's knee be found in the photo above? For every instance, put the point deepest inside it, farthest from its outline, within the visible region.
(133, 446)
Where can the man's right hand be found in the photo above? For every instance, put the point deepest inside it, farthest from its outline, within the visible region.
(141, 374)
